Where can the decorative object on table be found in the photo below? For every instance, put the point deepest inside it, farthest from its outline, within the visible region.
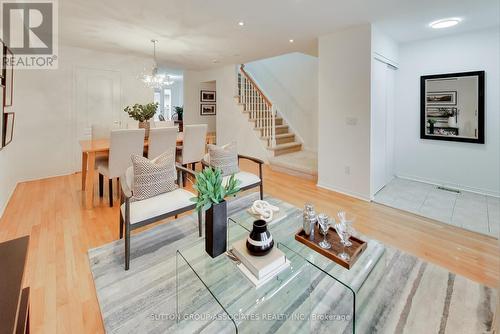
(324, 225)
(179, 111)
(207, 109)
(8, 76)
(263, 210)
(142, 113)
(452, 117)
(260, 241)
(308, 220)
(208, 96)
(153, 78)
(210, 198)
(258, 269)
(342, 216)
(344, 233)
(357, 248)
(455, 103)
(9, 128)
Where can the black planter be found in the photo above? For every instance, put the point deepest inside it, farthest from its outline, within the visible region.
(260, 241)
(216, 229)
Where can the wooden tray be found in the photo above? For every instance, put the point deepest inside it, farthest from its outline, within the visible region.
(354, 251)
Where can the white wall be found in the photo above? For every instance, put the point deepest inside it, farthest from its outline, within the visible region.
(344, 111)
(192, 105)
(463, 165)
(231, 124)
(291, 82)
(44, 142)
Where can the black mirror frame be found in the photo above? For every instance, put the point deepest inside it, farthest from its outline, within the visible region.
(480, 118)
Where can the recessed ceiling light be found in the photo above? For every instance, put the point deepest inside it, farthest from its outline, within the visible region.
(445, 23)
(291, 40)
(215, 61)
(241, 23)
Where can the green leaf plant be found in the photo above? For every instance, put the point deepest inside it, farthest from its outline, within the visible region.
(141, 112)
(210, 190)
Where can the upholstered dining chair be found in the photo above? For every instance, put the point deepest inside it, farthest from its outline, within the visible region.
(193, 144)
(135, 214)
(163, 124)
(161, 140)
(123, 144)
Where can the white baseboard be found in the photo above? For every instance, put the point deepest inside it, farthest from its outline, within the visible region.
(345, 192)
(449, 185)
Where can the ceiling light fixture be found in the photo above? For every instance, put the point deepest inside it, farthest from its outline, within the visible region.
(445, 23)
(291, 40)
(154, 79)
(241, 23)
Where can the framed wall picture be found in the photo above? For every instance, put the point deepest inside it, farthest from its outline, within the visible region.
(9, 127)
(2, 116)
(452, 107)
(8, 76)
(2, 63)
(207, 109)
(207, 96)
(445, 98)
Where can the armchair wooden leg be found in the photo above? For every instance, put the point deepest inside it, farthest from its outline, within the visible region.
(127, 245)
(101, 186)
(199, 223)
(110, 186)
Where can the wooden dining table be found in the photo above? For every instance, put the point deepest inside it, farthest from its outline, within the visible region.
(91, 149)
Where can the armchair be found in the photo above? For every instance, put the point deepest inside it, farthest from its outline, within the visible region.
(140, 213)
(248, 180)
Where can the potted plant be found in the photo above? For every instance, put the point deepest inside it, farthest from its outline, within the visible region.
(142, 113)
(179, 111)
(431, 122)
(211, 194)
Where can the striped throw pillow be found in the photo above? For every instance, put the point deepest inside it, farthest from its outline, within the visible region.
(153, 177)
(224, 157)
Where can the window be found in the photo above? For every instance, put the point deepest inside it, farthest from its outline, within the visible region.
(164, 100)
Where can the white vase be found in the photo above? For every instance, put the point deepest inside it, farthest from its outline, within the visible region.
(452, 122)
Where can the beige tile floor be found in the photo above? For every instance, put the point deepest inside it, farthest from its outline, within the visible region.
(471, 211)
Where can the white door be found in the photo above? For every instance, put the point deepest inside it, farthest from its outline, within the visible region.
(382, 124)
(97, 105)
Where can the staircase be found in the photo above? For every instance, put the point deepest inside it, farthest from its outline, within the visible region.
(264, 117)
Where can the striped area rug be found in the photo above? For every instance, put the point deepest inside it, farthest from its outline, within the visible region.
(407, 296)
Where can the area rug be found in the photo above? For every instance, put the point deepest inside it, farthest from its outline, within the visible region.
(409, 296)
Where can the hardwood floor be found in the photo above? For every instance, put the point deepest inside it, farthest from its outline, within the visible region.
(63, 297)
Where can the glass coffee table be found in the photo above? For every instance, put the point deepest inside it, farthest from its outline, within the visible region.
(313, 295)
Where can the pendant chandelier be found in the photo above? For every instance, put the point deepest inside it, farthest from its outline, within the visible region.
(154, 79)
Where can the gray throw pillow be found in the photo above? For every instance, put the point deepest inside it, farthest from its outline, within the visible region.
(153, 177)
(224, 157)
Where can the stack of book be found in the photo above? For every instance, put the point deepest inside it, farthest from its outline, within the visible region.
(259, 269)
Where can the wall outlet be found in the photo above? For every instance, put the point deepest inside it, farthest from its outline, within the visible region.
(347, 170)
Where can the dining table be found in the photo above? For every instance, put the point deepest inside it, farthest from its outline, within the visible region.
(93, 148)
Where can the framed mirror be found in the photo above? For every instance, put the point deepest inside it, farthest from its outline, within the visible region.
(452, 107)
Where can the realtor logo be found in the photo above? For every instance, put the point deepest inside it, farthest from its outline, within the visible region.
(29, 29)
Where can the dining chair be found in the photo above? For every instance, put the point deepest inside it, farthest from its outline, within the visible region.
(193, 144)
(161, 140)
(163, 124)
(123, 144)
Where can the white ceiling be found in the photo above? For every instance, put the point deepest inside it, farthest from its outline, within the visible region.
(193, 34)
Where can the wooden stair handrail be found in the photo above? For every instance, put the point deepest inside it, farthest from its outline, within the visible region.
(268, 102)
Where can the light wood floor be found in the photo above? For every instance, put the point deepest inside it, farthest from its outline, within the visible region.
(63, 297)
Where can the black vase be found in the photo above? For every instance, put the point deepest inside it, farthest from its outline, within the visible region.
(259, 242)
(216, 229)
